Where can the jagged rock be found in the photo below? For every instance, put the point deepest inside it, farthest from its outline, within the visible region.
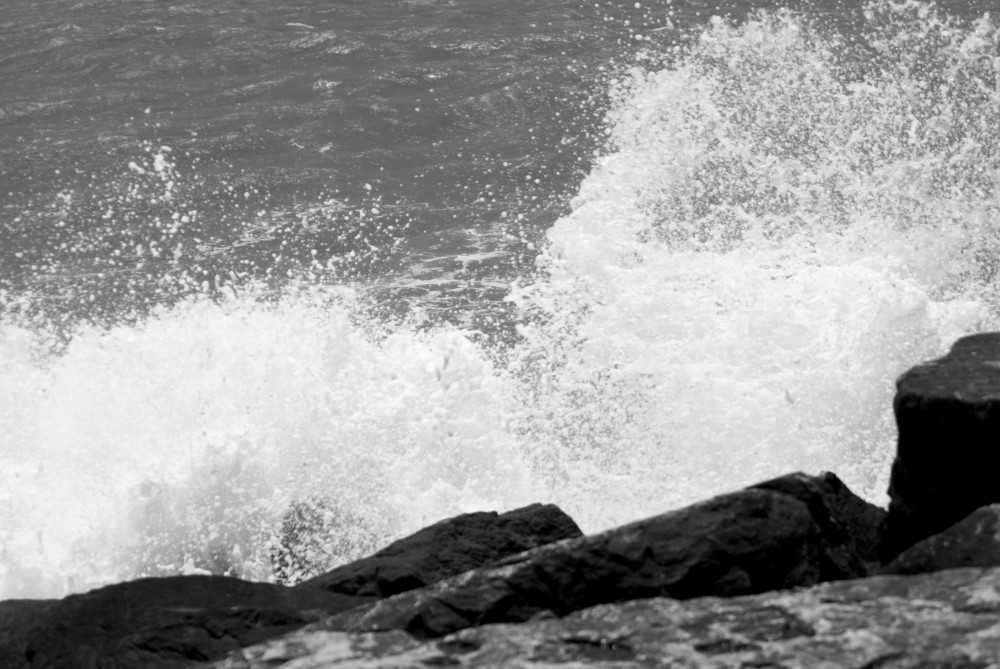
(948, 456)
(447, 548)
(745, 542)
(848, 522)
(156, 622)
(949, 619)
(974, 541)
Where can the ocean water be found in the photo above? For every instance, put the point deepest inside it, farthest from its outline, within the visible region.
(280, 284)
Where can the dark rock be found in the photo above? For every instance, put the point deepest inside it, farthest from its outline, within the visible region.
(948, 619)
(851, 526)
(948, 413)
(18, 618)
(974, 541)
(157, 622)
(448, 548)
(750, 541)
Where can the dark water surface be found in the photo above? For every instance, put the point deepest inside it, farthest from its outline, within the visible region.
(287, 123)
(464, 125)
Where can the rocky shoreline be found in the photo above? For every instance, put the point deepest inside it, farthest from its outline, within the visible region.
(793, 572)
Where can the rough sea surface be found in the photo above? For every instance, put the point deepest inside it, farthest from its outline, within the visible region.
(280, 282)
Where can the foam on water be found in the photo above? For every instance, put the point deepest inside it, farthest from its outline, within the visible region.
(142, 450)
(782, 222)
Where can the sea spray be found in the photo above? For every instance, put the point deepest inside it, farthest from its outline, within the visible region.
(782, 221)
(179, 444)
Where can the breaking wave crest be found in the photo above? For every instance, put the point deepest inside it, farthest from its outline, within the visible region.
(785, 221)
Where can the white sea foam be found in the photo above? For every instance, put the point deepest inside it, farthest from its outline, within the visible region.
(143, 449)
(781, 224)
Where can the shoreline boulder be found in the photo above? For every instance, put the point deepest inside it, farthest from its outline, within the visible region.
(948, 455)
(160, 622)
(177, 621)
(848, 521)
(446, 548)
(746, 542)
(974, 541)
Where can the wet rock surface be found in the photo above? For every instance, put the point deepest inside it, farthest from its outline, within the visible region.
(945, 619)
(974, 541)
(156, 622)
(750, 541)
(850, 525)
(948, 413)
(176, 621)
(448, 548)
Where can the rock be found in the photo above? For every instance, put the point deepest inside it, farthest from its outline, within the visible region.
(948, 413)
(745, 542)
(847, 521)
(448, 548)
(157, 622)
(974, 541)
(949, 619)
(18, 618)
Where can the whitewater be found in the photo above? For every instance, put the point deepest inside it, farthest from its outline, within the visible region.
(780, 219)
